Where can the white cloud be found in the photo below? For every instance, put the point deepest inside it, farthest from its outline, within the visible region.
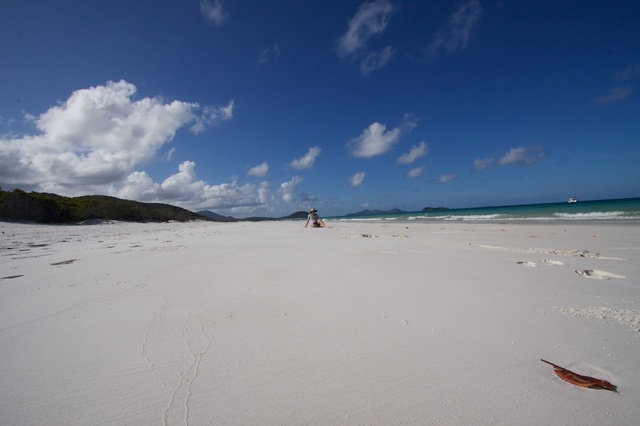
(455, 36)
(184, 189)
(409, 122)
(94, 139)
(415, 172)
(447, 178)
(357, 179)
(213, 12)
(371, 19)
(259, 170)
(416, 152)
(212, 115)
(307, 161)
(289, 189)
(224, 113)
(616, 94)
(245, 197)
(481, 164)
(263, 192)
(170, 154)
(181, 185)
(376, 60)
(272, 52)
(522, 156)
(374, 140)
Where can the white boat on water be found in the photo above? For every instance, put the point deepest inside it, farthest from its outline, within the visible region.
(573, 199)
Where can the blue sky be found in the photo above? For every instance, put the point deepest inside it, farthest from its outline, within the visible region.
(268, 107)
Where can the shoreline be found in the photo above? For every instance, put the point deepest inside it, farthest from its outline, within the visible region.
(431, 221)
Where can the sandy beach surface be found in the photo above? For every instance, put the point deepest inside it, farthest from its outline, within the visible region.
(360, 323)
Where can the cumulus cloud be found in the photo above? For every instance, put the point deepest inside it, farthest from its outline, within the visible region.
(263, 192)
(357, 179)
(213, 12)
(416, 152)
(184, 189)
(415, 172)
(95, 137)
(446, 178)
(233, 196)
(140, 186)
(94, 141)
(289, 189)
(307, 161)
(454, 37)
(377, 140)
(521, 156)
(376, 60)
(259, 170)
(374, 140)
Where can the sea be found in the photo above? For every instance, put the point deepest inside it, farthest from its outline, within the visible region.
(622, 211)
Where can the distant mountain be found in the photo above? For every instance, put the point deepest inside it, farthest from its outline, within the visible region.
(216, 217)
(18, 205)
(297, 215)
(375, 212)
(434, 209)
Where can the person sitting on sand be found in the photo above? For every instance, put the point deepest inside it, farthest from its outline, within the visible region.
(316, 222)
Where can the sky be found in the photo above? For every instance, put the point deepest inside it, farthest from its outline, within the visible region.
(264, 108)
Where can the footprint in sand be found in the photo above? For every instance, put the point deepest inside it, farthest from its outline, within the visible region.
(64, 262)
(528, 264)
(552, 262)
(10, 277)
(597, 274)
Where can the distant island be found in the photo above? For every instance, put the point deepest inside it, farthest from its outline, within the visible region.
(434, 209)
(367, 212)
(216, 217)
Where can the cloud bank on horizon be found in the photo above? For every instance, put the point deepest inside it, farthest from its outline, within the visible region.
(103, 139)
(95, 141)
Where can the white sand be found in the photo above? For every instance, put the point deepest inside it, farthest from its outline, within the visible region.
(361, 323)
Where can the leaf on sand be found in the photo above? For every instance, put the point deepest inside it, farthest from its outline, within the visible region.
(580, 380)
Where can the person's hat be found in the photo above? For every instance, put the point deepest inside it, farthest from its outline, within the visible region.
(313, 210)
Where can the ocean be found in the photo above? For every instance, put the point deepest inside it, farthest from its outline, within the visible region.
(622, 211)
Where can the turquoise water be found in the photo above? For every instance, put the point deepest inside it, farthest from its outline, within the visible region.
(616, 211)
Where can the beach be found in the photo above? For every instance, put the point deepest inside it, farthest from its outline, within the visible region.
(206, 323)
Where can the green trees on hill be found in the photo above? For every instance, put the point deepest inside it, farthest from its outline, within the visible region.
(18, 205)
